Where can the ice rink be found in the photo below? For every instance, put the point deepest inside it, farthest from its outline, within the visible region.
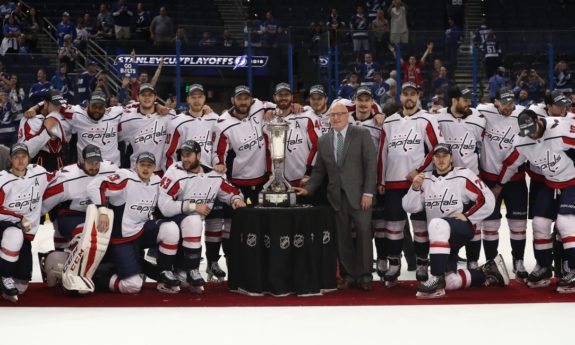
(447, 324)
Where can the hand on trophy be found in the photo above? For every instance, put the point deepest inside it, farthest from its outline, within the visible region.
(268, 115)
(238, 203)
(300, 191)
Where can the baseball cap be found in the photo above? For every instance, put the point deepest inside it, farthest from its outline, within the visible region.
(527, 121)
(55, 97)
(91, 153)
(91, 63)
(191, 146)
(558, 98)
(146, 87)
(456, 92)
(146, 156)
(318, 88)
(18, 147)
(98, 97)
(409, 85)
(65, 14)
(196, 87)
(505, 95)
(282, 87)
(363, 90)
(441, 147)
(241, 89)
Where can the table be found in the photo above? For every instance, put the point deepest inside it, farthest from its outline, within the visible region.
(281, 251)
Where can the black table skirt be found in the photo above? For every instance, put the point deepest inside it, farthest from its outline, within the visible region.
(282, 251)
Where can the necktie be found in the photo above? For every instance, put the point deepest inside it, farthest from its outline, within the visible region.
(339, 148)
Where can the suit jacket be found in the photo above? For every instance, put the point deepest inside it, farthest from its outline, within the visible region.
(355, 175)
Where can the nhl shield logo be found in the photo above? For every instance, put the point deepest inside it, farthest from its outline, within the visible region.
(284, 242)
(267, 241)
(252, 240)
(326, 237)
(298, 240)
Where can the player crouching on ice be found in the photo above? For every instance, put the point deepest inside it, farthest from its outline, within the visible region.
(187, 194)
(455, 200)
(132, 196)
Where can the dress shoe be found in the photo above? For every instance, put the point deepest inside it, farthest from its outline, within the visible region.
(365, 286)
(343, 284)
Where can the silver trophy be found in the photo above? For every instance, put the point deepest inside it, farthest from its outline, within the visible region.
(277, 192)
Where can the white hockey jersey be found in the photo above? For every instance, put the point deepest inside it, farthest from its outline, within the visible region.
(102, 133)
(464, 135)
(145, 133)
(132, 200)
(458, 191)
(67, 190)
(186, 127)
(406, 144)
(547, 154)
(179, 186)
(22, 196)
(370, 125)
(500, 132)
(242, 146)
(534, 172)
(301, 146)
(33, 133)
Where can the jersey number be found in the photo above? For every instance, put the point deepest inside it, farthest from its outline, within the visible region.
(479, 183)
(165, 183)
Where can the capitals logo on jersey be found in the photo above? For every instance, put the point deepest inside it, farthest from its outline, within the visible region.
(550, 162)
(251, 141)
(503, 138)
(144, 206)
(101, 135)
(26, 202)
(155, 134)
(465, 145)
(406, 141)
(444, 202)
(294, 137)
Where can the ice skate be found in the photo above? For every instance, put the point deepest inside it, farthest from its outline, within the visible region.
(495, 272)
(215, 273)
(9, 290)
(421, 272)
(393, 272)
(539, 277)
(196, 281)
(168, 282)
(434, 287)
(472, 265)
(381, 268)
(567, 283)
(520, 271)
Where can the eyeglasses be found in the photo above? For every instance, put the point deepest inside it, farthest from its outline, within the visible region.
(340, 114)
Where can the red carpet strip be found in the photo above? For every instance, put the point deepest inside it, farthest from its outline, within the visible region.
(217, 295)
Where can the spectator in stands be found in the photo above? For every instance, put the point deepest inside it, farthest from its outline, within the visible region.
(270, 28)
(389, 97)
(114, 101)
(125, 91)
(496, 82)
(359, 25)
(398, 31)
(334, 24)
(378, 87)
(348, 87)
(480, 35)
(102, 84)
(85, 79)
(253, 32)
(65, 27)
(122, 19)
(207, 40)
(32, 28)
(143, 21)
(228, 40)
(412, 71)
(101, 31)
(437, 102)
(38, 90)
(105, 17)
(367, 69)
(88, 22)
(12, 31)
(562, 75)
(523, 98)
(23, 46)
(8, 127)
(162, 28)
(492, 53)
(452, 40)
(82, 35)
(17, 96)
(373, 6)
(533, 83)
(316, 37)
(441, 82)
(62, 81)
(6, 8)
(437, 64)
(380, 33)
(68, 53)
(19, 15)
(181, 36)
(4, 76)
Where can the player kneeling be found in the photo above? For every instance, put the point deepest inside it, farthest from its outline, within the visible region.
(187, 194)
(132, 196)
(454, 200)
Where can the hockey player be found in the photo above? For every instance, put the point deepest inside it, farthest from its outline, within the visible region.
(454, 200)
(500, 131)
(405, 150)
(301, 142)
(318, 106)
(46, 133)
(144, 128)
(67, 195)
(21, 190)
(544, 142)
(462, 128)
(133, 196)
(187, 194)
(241, 146)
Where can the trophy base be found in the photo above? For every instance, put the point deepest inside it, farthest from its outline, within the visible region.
(283, 199)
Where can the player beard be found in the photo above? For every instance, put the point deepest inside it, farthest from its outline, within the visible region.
(191, 166)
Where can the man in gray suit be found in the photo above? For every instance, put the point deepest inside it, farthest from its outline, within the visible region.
(348, 157)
